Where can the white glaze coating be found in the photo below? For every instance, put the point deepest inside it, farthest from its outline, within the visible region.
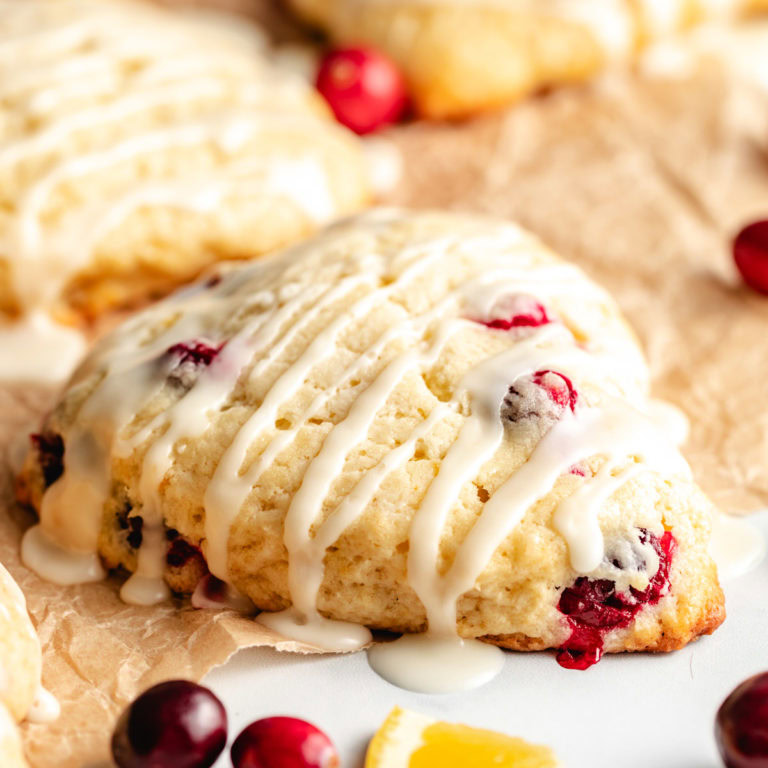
(131, 375)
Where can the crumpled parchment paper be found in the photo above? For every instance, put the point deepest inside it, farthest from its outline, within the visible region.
(642, 184)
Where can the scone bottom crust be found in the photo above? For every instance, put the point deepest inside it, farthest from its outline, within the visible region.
(411, 422)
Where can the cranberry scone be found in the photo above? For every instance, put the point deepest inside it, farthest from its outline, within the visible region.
(411, 421)
(465, 56)
(139, 145)
(20, 666)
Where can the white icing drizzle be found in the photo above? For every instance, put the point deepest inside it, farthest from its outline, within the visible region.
(128, 377)
(425, 663)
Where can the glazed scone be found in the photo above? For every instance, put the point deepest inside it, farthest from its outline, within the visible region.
(465, 56)
(139, 145)
(409, 421)
(20, 666)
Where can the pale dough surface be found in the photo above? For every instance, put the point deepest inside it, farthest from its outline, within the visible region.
(140, 145)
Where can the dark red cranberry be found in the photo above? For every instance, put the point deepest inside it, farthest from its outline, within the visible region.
(750, 252)
(180, 552)
(195, 352)
(559, 387)
(135, 531)
(363, 88)
(283, 742)
(527, 313)
(594, 606)
(50, 455)
(741, 726)
(176, 724)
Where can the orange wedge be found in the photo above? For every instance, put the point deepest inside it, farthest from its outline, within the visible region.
(411, 740)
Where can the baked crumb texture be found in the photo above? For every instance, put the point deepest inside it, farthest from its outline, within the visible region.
(140, 145)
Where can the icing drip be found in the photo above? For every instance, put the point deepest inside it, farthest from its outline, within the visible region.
(615, 431)
(57, 564)
(428, 664)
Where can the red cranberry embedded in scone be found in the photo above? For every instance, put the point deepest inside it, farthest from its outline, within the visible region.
(180, 552)
(283, 742)
(594, 606)
(544, 395)
(50, 455)
(190, 357)
(519, 312)
(176, 724)
(750, 252)
(195, 352)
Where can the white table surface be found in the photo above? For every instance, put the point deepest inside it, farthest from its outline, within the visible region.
(629, 711)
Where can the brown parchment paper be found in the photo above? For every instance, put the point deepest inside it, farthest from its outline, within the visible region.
(643, 184)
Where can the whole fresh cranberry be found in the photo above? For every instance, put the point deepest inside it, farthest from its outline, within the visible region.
(741, 726)
(363, 88)
(750, 252)
(283, 742)
(176, 724)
